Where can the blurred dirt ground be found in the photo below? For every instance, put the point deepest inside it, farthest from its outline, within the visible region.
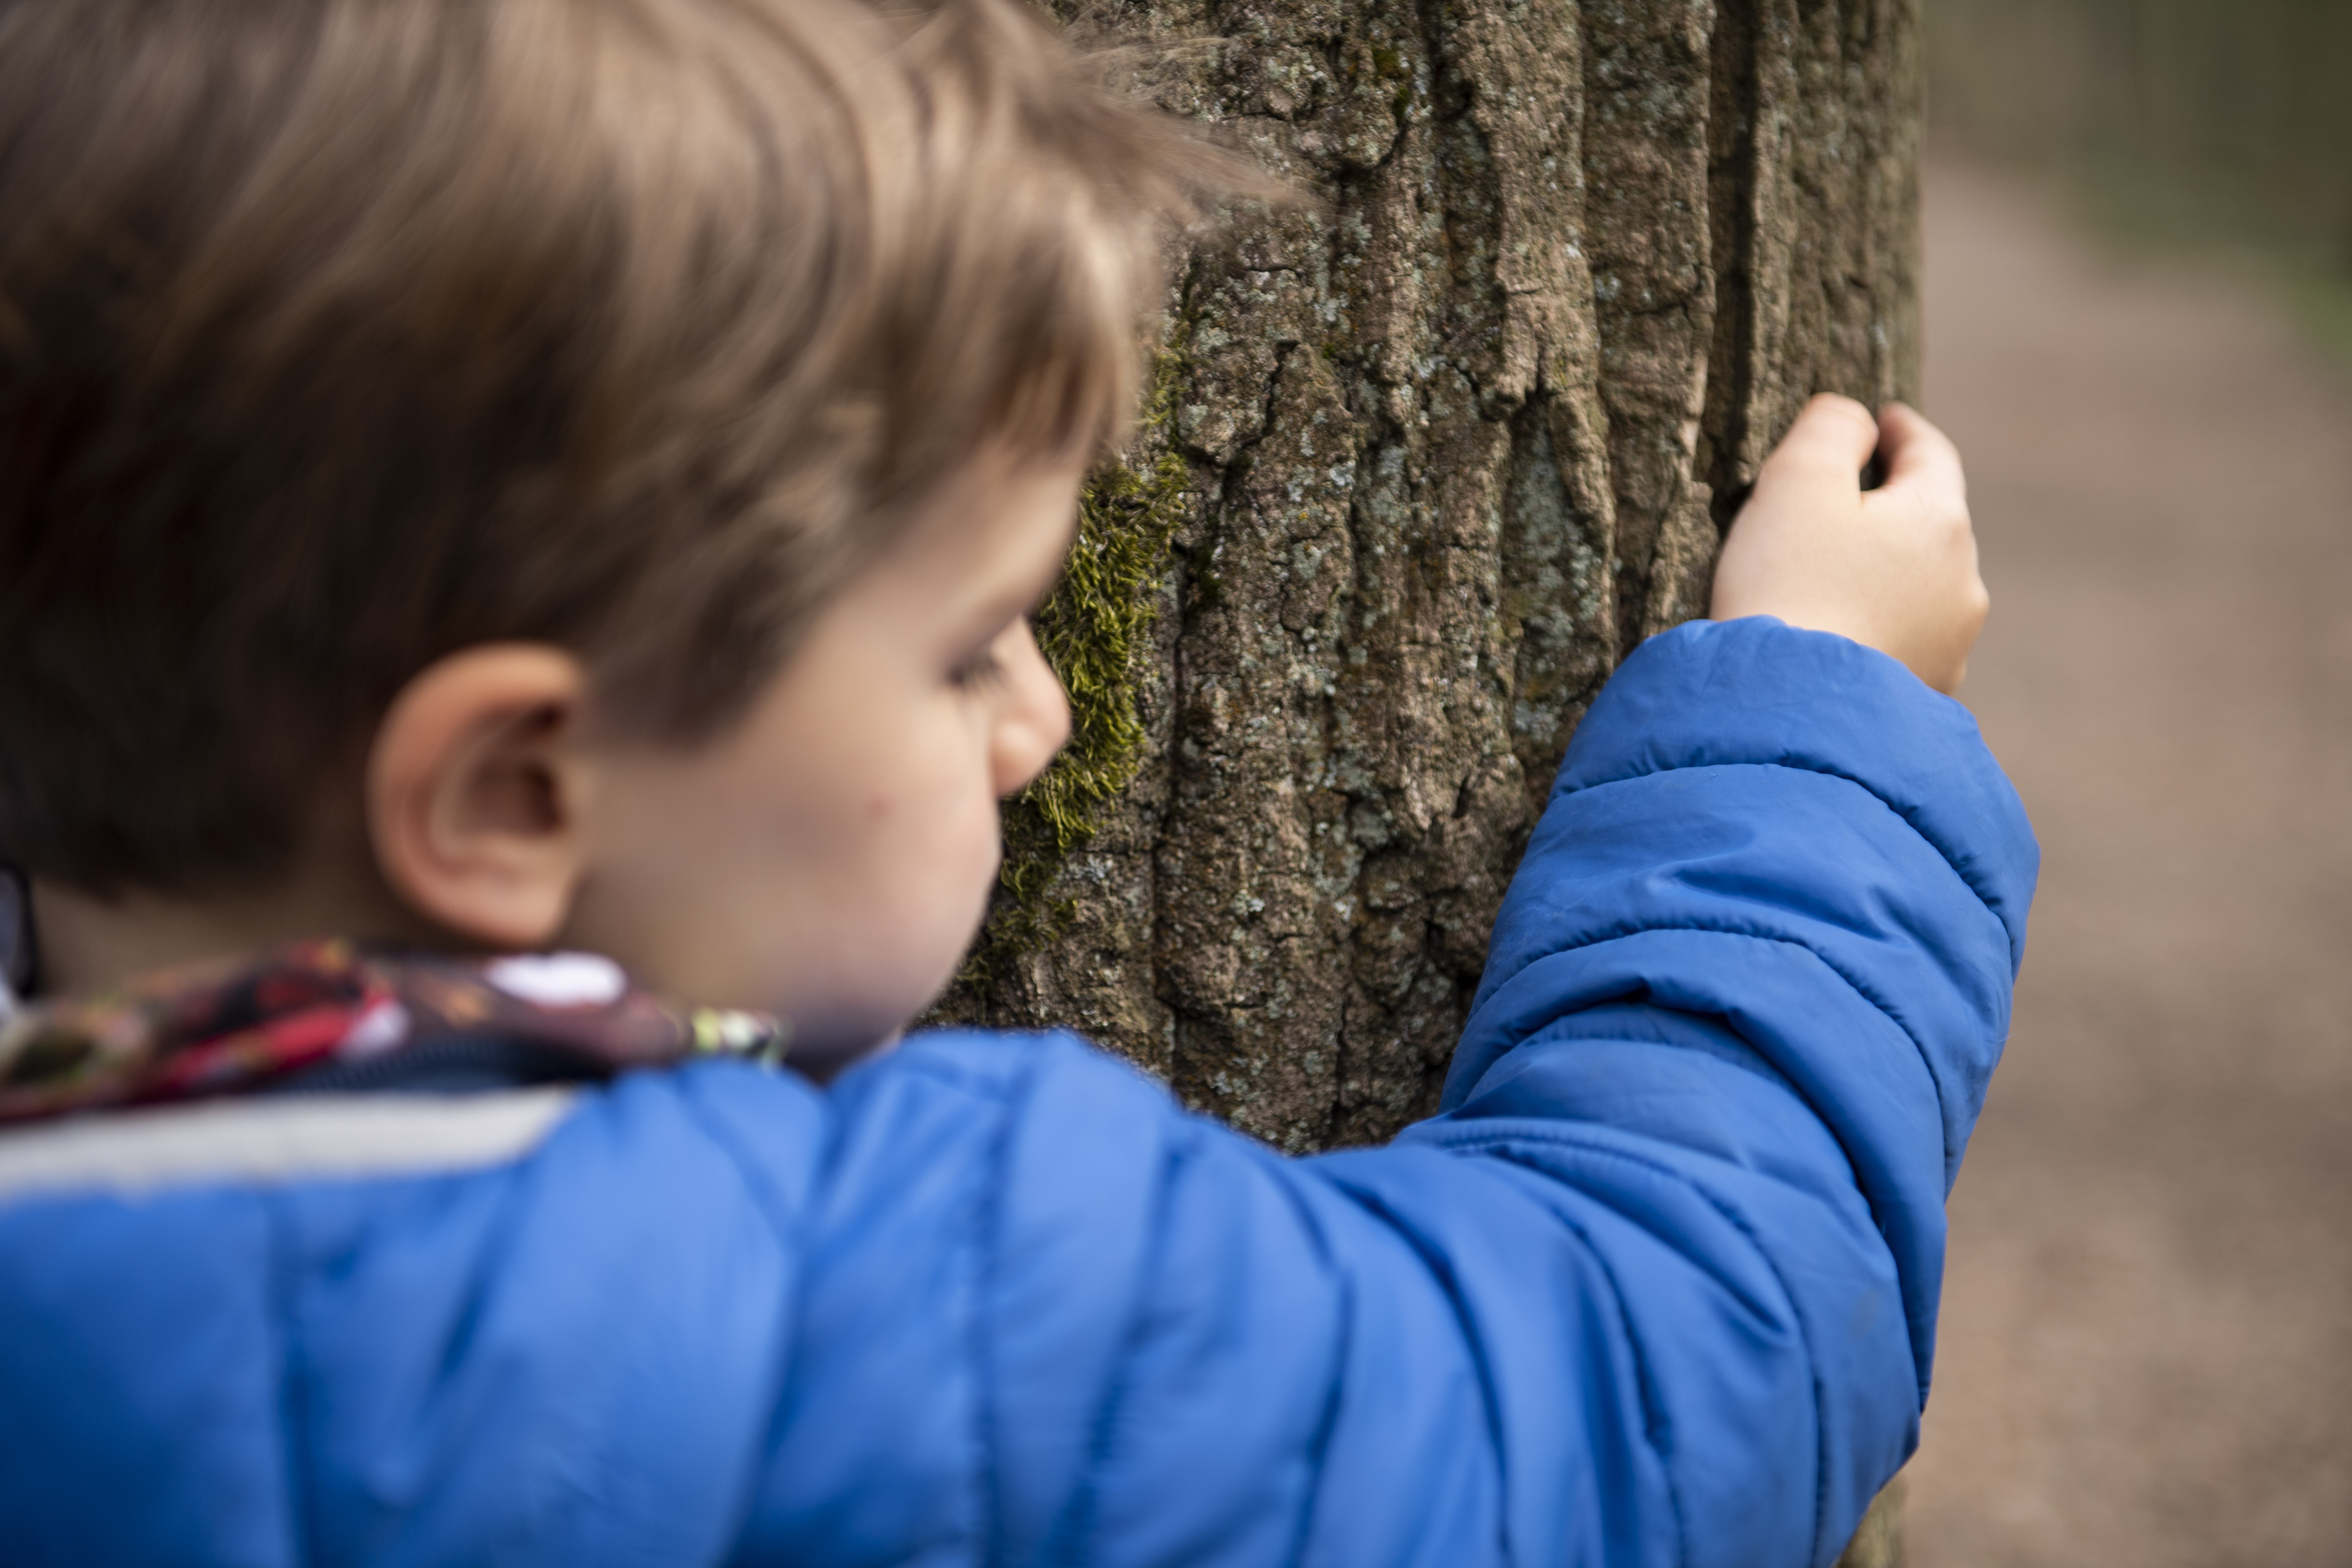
(2147, 1352)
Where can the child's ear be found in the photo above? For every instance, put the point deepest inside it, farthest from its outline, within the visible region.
(474, 792)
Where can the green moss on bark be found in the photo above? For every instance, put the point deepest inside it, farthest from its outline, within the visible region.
(1095, 629)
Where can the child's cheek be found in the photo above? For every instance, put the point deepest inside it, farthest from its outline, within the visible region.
(965, 869)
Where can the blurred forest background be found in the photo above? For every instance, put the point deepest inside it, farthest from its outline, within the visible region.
(2217, 128)
(2144, 1356)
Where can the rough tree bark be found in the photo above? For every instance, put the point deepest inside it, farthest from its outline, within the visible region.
(1425, 464)
(1443, 453)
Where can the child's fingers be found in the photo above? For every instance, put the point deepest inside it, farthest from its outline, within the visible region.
(1918, 455)
(1829, 442)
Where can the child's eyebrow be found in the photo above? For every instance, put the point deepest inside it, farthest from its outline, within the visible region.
(1001, 590)
(991, 600)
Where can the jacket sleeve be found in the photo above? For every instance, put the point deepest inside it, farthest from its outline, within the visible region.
(1658, 1287)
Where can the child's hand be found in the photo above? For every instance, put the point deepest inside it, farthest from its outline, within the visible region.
(1893, 568)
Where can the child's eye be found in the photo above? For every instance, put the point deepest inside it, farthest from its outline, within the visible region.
(978, 672)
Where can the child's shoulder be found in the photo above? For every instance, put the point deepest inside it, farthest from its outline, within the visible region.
(345, 1324)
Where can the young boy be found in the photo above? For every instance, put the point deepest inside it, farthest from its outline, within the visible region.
(496, 496)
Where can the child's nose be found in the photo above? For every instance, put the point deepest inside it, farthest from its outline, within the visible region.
(1034, 722)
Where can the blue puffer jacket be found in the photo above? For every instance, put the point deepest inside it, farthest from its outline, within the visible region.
(1658, 1288)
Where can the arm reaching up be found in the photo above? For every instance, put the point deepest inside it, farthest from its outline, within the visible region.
(1658, 1288)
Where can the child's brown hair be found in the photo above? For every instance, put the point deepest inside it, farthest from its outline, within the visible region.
(338, 335)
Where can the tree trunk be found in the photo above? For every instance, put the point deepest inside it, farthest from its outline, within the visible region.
(1423, 465)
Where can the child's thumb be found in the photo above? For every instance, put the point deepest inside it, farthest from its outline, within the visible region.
(1919, 455)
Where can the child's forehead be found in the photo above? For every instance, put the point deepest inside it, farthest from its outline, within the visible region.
(997, 526)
